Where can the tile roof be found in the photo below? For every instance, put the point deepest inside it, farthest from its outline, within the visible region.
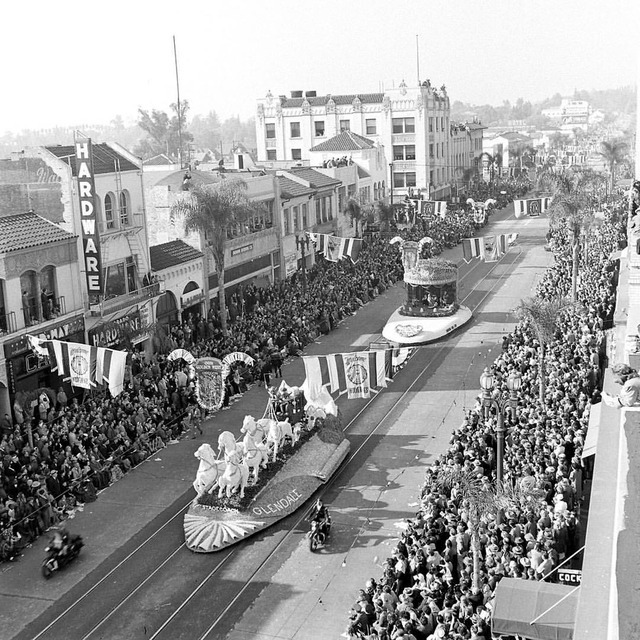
(103, 158)
(176, 178)
(345, 141)
(316, 179)
(171, 254)
(320, 101)
(25, 230)
(292, 189)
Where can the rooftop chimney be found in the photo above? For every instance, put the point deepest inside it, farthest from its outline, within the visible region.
(310, 94)
(296, 94)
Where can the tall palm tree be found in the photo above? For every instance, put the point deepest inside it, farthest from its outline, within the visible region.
(355, 213)
(614, 152)
(543, 317)
(571, 209)
(483, 503)
(212, 211)
(385, 215)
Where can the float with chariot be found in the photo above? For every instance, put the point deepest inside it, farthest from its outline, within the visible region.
(265, 471)
(431, 309)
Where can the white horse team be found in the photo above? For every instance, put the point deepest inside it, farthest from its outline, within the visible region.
(261, 439)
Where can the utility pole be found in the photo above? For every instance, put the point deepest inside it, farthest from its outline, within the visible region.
(302, 243)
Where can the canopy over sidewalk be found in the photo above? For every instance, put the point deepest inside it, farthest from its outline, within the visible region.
(519, 602)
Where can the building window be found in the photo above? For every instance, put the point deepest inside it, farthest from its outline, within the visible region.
(285, 218)
(271, 154)
(318, 211)
(404, 152)
(319, 125)
(345, 125)
(442, 123)
(296, 154)
(329, 208)
(431, 150)
(401, 180)
(404, 125)
(305, 216)
(295, 129)
(270, 129)
(430, 125)
(124, 208)
(296, 222)
(108, 211)
(370, 126)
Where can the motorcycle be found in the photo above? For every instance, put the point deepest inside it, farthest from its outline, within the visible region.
(55, 561)
(319, 533)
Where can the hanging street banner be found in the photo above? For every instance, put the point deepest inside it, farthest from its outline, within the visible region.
(88, 219)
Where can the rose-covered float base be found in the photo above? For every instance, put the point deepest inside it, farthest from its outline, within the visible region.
(220, 523)
(402, 330)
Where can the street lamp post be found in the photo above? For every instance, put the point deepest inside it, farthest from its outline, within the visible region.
(302, 243)
(501, 405)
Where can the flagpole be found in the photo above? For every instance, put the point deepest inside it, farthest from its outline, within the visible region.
(175, 59)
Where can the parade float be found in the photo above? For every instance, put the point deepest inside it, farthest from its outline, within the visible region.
(264, 472)
(431, 309)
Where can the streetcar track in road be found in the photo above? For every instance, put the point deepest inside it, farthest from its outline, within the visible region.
(329, 484)
(180, 608)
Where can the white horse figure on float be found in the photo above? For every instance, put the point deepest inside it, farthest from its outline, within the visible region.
(235, 476)
(210, 470)
(255, 454)
(227, 445)
(277, 433)
(253, 428)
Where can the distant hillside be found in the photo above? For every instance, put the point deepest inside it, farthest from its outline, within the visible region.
(612, 101)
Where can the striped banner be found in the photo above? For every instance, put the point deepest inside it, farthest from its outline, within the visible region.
(472, 248)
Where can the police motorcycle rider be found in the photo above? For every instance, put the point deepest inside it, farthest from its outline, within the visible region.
(58, 546)
(320, 515)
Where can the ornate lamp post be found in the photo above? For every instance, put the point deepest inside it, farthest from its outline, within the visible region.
(302, 243)
(502, 406)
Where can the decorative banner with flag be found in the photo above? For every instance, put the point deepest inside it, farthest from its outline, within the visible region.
(210, 388)
(531, 206)
(335, 248)
(472, 248)
(83, 365)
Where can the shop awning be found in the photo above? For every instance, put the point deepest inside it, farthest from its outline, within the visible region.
(591, 441)
(519, 602)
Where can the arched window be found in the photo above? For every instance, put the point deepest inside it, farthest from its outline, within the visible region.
(49, 303)
(108, 211)
(29, 292)
(124, 208)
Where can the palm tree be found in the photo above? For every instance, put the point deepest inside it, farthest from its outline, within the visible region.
(613, 152)
(543, 317)
(355, 213)
(483, 503)
(385, 215)
(213, 211)
(571, 208)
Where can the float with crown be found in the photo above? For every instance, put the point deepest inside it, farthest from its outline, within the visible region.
(270, 466)
(431, 309)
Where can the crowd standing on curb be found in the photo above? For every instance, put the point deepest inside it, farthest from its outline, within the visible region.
(427, 590)
(63, 454)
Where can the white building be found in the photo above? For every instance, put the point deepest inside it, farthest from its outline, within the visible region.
(570, 114)
(411, 123)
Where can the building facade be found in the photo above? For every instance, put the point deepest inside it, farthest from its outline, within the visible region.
(411, 123)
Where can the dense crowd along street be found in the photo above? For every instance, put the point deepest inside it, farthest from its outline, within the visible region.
(441, 579)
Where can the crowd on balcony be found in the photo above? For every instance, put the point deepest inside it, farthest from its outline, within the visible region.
(62, 453)
(429, 589)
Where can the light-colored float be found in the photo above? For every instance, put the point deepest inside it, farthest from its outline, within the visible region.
(271, 470)
(431, 309)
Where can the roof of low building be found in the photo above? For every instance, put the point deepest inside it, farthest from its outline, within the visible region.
(160, 159)
(345, 141)
(362, 173)
(292, 189)
(171, 254)
(316, 179)
(105, 159)
(320, 101)
(25, 230)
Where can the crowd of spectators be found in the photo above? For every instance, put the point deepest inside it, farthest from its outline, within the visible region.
(429, 589)
(65, 453)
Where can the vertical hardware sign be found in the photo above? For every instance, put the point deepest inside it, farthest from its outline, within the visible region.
(90, 237)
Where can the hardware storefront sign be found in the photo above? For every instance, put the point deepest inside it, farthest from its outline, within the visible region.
(90, 238)
(111, 334)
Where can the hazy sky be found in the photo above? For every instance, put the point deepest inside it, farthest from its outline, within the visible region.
(68, 62)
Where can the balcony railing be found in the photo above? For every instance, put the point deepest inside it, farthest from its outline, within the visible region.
(116, 303)
(37, 313)
(8, 323)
